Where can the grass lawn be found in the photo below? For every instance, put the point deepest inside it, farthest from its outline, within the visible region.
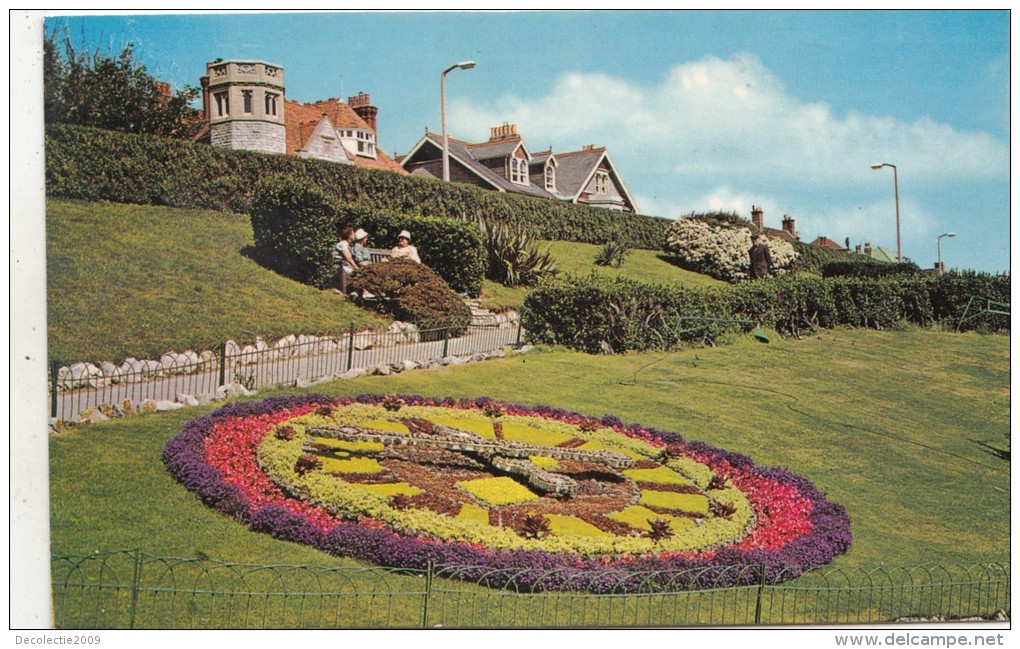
(134, 280)
(898, 427)
(578, 259)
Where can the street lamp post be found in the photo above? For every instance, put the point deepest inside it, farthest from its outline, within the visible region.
(938, 243)
(463, 65)
(896, 188)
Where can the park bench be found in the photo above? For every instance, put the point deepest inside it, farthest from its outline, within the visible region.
(376, 255)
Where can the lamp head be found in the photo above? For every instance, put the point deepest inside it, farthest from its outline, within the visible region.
(466, 65)
(877, 165)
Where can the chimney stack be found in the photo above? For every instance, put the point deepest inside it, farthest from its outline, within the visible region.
(758, 218)
(867, 248)
(505, 132)
(789, 226)
(362, 105)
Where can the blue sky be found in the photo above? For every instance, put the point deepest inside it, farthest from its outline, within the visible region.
(699, 110)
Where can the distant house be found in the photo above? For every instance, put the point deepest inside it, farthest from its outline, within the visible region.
(878, 253)
(504, 163)
(789, 231)
(244, 108)
(825, 242)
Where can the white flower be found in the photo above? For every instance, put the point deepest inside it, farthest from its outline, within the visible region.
(721, 251)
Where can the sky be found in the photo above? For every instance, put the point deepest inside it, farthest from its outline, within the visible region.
(699, 110)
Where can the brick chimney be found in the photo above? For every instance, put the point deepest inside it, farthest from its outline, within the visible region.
(789, 226)
(758, 217)
(867, 248)
(362, 105)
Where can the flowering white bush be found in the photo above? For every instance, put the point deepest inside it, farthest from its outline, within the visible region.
(720, 251)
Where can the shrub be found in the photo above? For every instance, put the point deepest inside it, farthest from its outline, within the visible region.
(721, 251)
(515, 258)
(612, 253)
(811, 259)
(413, 292)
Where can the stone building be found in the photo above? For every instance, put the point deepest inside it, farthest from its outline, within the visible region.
(245, 107)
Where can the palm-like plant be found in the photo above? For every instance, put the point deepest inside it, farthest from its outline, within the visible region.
(515, 258)
(612, 253)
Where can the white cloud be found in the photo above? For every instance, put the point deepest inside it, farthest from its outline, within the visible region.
(734, 117)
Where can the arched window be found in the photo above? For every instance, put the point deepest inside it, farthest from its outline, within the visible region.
(550, 177)
(519, 170)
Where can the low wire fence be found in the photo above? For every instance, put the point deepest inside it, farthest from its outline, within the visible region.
(131, 589)
(75, 388)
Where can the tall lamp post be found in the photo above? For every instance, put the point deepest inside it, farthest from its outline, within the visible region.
(896, 188)
(938, 243)
(463, 65)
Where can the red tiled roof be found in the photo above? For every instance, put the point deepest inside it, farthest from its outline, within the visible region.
(826, 242)
(342, 115)
(782, 234)
(301, 120)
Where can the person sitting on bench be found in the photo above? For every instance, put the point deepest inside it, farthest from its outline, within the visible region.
(404, 249)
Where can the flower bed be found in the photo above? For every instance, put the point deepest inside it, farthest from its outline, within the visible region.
(262, 463)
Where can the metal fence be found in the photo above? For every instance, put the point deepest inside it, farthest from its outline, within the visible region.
(74, 389)
(131, 589)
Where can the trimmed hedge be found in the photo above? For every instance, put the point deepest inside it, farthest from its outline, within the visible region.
(598, 315)
(296, 224)
(857, 266)
(93, 164)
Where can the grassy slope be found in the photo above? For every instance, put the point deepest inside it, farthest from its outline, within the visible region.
(579, 259)
(890, 425)
(130, 280)
(127, 280)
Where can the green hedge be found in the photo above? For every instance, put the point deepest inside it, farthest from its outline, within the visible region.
(296, 224)
(598, 315)
(858, 266)
(811, 259)
(93, 164)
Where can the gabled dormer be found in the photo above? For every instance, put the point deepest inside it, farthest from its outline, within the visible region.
(543, 170)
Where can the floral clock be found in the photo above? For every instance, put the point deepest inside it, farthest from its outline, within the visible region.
(540, 497)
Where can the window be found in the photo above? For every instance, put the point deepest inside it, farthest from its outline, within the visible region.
(271, 103)
(550, 177)
(246, 95)
(518, 170)
(222, 104)
(361, 146)
(601, 183)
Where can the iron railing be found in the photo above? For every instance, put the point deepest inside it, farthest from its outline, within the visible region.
(74, 388)
(131, 589)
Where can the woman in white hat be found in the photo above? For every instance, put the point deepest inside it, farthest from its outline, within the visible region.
(404, 249)
(359, 250)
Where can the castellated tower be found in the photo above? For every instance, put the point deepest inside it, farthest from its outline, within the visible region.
(243, 102)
